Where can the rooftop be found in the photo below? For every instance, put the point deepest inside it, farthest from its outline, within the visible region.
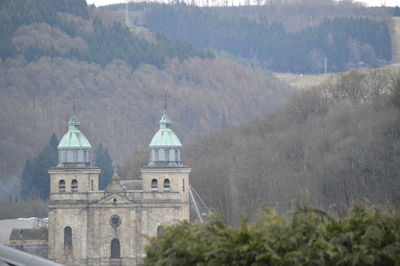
(165, 136)
(29, 234)
(74, 138)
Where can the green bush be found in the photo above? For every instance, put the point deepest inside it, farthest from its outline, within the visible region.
(368, 236)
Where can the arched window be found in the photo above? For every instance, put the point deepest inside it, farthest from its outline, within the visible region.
(154, 185)
(74, 185)
(160, 231)
(68, 241)
(115, 249)
(167, 184)
(61, 185)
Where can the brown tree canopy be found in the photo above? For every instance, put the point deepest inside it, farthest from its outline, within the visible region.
(121, 107)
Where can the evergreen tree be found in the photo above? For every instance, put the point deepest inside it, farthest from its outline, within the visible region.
(104, 162)
(26, 180)
(396, 12)
(367, 236)
(35, 180)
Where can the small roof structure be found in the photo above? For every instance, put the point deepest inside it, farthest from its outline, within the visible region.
(28, 234)
(74, 138)
(165, 137)
(7, 225)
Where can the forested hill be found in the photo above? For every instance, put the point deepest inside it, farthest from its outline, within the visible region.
(62, 28)
(349, 36)
(333, 146)
(52, 50)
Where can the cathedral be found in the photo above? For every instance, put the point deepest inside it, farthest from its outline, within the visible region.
(88, 226)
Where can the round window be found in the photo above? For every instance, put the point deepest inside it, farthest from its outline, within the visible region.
(115, 221)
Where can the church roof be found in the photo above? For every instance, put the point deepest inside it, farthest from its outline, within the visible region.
(165, 136)
(74, 138)
(133, 184)
(28, 234)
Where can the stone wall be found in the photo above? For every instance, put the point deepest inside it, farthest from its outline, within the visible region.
(38, 249)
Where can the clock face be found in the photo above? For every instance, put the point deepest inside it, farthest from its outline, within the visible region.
(115, 221)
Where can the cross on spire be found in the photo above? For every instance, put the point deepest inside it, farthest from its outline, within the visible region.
(73, 104)
(166, 96)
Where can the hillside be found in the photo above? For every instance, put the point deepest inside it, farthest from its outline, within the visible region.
(302, 81)
(118, 80)
(69, 29)
(347, 36)
(333, 146)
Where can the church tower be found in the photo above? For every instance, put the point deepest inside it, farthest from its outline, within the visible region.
(93, 227)
(71, 183)
(165, 176)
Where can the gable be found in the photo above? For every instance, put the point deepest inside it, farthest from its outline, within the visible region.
(114, 198)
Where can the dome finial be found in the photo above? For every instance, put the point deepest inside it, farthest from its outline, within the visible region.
(165, 123)
(74, 124)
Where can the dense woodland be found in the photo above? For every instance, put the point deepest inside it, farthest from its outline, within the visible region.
(349, 36)
(345, 42)
(332, 146)
(63, 28)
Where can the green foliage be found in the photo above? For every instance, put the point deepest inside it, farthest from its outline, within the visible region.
(116, 42)
(345, 42)
(368, 236)
(395, 11)
(35, 180)
(23, 12)
(104, 43)
(104, 162)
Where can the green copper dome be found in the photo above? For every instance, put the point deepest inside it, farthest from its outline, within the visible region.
(74, 138)
(165, 136)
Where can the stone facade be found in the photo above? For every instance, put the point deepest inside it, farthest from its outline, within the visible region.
(88, 226)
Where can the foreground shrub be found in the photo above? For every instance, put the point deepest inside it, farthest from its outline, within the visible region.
(368, 236)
